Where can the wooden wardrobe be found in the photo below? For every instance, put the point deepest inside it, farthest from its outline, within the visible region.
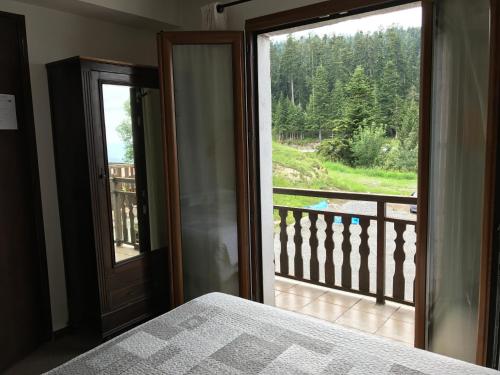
(108, 143)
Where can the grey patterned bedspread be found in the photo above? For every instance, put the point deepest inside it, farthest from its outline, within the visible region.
(221, 334)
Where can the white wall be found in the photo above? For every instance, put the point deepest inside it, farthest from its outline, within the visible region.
(154, 14)
(54, 35)
(190, 15)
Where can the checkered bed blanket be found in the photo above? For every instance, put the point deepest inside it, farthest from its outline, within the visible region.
(221, 334)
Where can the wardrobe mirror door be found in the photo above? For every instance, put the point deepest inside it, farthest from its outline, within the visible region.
(117, 109)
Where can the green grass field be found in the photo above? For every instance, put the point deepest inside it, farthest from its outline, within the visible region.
(295, 168)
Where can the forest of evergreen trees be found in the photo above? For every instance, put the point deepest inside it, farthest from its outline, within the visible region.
(357, 95)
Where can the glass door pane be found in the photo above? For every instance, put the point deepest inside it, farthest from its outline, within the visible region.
(204, 117)
(457, 154)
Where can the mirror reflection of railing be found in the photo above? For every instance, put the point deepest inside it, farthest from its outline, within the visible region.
(124, 204)
(357, 252)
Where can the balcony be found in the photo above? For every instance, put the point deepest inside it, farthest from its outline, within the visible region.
(357, 253)
(124, 210)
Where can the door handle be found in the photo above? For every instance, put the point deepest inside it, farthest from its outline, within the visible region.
(103, 174)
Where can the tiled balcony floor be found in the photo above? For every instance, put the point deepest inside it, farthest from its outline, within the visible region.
(391, 320)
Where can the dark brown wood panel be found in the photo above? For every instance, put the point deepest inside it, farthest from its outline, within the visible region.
(284, 242)
(398, 283)
(313, 244)
(364, 251)
(315, 13)
(25, 311)
(346, 278)
(297, 239)
(329, 247)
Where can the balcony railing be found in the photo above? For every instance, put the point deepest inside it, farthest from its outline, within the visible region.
(124, 204)
(370, 253)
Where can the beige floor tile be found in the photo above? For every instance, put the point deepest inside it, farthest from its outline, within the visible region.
(323, 310)
(405, 314)
(289, 301)
(308, 291)
(361, 320)
(347, 300)
(283, 284)
(397, 330)
(369, 305)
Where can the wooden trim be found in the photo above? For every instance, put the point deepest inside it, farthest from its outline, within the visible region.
(345, 195)
(490, 188)
(96, 60)
(253, 165)
(323, 11)
(240, 143)
(166, 168)
(166, 42)
(423, 172)
(167, 87)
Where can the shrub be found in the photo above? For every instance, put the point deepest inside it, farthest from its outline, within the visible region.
(401, 157)
(367, 145)
(336, 149)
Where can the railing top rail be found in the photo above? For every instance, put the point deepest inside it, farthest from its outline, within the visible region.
(131, 193)
(325, 212)
(367, 197)
(128, 180)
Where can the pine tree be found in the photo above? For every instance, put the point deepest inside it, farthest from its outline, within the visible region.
(319, 107)
(359, 102)
(337, 101)
(388, 97)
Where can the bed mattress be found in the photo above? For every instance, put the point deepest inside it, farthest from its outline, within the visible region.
(221, 334)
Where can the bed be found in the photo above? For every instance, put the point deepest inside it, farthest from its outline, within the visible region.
(222, 334)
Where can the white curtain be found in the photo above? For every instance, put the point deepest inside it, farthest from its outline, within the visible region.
(211, 19)
(204, 110)
(459, 102)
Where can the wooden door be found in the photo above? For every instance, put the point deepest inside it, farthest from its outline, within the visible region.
(25, 311)
(202, 87)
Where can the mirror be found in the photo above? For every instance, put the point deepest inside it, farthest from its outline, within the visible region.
(132, 120)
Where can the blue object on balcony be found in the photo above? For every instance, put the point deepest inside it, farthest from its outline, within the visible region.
(323, 205)
(355, 220)
(337, 220)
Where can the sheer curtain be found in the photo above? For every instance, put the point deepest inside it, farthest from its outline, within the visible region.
(207, 176)
(460, 91)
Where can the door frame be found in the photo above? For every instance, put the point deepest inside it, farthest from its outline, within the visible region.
(166, 40)
(491, 219)
(311, 14)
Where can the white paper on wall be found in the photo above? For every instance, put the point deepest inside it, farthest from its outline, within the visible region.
(8, 119)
